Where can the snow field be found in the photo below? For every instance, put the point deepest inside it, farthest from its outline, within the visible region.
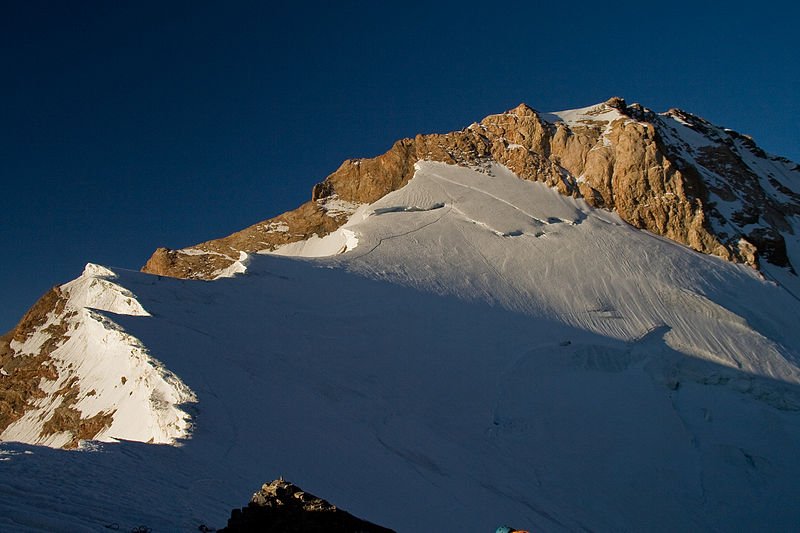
(486, 352)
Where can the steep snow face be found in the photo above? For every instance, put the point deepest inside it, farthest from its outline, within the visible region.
(488, 351)
(101, 373)
(491, 237)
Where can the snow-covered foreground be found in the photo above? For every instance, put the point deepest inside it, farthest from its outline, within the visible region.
(487, 352)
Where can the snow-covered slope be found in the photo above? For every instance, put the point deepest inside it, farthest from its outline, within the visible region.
(485, 351)
(99, 376)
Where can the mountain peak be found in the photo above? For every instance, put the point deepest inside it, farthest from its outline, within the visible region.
(508, 254)
(523, 110)
(673, 174)
(616, 102)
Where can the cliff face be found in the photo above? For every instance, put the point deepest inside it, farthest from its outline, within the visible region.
(673, 174)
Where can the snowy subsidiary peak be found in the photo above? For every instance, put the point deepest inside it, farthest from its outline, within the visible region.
(436, 344)
(98, 381)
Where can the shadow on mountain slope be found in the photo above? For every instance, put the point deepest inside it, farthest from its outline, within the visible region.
(417, 411)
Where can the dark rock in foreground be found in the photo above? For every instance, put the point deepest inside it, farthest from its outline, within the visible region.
(283, 507)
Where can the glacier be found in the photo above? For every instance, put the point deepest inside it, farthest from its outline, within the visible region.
(469, 350)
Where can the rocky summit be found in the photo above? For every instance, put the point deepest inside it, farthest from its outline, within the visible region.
(673, 174)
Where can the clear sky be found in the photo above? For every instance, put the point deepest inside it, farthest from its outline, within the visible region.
(130, 125)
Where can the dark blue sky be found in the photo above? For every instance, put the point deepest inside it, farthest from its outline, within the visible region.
(130, 125)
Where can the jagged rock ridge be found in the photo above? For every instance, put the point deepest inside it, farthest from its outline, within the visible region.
(673, 174)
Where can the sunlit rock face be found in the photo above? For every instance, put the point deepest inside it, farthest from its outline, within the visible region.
(673, 174)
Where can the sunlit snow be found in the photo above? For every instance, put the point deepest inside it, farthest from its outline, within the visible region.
(468, 351)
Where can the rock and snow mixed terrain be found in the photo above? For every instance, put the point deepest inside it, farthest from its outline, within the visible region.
(673, 174)
(100, 371)
(465, 350)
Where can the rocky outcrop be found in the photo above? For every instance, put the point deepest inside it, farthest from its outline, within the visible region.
(282, 506)
(664, 173)
(208, 259)
(23, 373)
